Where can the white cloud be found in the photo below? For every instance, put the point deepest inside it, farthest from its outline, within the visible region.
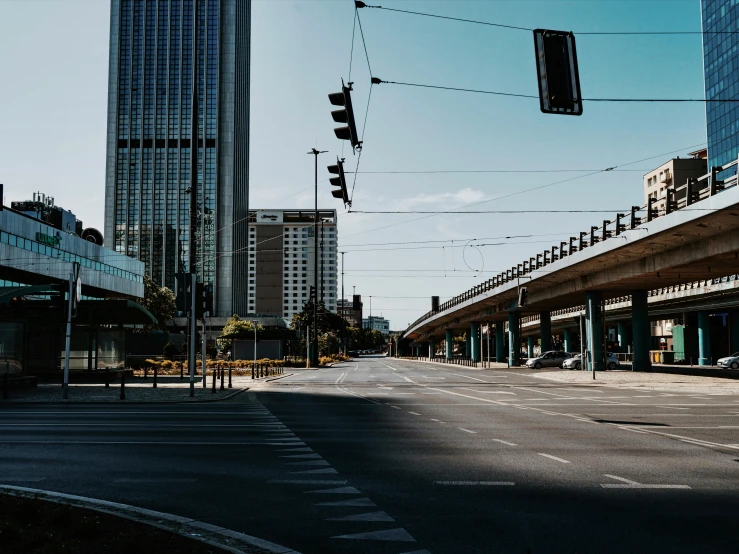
(463, 196)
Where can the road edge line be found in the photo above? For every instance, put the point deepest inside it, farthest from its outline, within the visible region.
(213, 535)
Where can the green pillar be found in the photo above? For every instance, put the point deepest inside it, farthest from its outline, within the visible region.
(432, 347)
(594, 330)
(449, 344)
(704, 339)
(475, 341)
(624, 335)
(568, 340)
(499, 342)
(545, 324)
(734, 330)
(467, 345)
(531, 347)
(641, 333)
(514, 339)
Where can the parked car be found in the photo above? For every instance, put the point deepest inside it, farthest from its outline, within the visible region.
(730, 361)
(576, 362)
(553, 358)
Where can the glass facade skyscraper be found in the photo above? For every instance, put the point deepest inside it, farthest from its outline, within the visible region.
(720, 19)
(162, 53)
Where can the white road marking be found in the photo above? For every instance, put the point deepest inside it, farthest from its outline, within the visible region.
(436, 420)
(353, 502)
(477, 483)
(505, 442)
(340, 490)
(399, 535)
(369, 516)
(489, 391)
(396, 407)
(554, 458)
(152, 480)
(629, 484)
(308, 481)
(414, 413)
(467, 430)
(468, 377)
(673, 407)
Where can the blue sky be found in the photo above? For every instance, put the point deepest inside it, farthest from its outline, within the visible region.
(53, 64)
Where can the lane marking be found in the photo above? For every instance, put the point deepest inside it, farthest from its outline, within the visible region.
(629, 484)
(398, 535)
(467, 430)
(436, 420)
(554, 458)
(369, 516)
(505, 442)
(473, 378)
(414, 413)
(489, 391)
(476, 483)
(308, 481)
(396, 407)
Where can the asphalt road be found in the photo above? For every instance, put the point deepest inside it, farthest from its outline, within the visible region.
(386, 456)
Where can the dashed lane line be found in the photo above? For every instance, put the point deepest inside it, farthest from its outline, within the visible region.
(505, 442)
(414, 413)
(554, 458)
(629, 484)
(467, 430)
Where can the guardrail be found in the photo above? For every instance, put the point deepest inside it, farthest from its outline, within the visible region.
(693, 192)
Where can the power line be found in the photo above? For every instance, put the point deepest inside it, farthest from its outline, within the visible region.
(456, 240)
(442, 171)
(486, 211)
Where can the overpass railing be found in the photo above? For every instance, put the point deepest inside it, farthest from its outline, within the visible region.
(676, 198)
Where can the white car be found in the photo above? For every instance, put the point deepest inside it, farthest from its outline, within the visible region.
(576, 362)
(730, 361)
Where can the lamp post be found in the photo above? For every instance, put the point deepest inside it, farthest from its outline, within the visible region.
(314, 341)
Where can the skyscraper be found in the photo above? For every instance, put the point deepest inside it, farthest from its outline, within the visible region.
(720, 19)
(162, 54)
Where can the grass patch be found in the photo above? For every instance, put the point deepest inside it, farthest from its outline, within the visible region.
(42, 527)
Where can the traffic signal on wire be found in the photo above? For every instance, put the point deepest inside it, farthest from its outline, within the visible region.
(339, 181)
(345, 115)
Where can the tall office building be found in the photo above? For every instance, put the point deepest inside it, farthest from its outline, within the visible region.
(720, 20)
(152, 128)
(281, 261)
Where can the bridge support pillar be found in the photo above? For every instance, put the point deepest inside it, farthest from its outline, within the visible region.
(475, 341)
(514, 338)
(545, 324)
(624, 335)
(594, 330)
(467, 345)
(530, 347)
(641, 333)
(432, 347)
(568, 340)
(704, 339)
(449, 344)
(499, 342)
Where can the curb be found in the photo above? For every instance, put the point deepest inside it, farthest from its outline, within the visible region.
(280, 377)
(231, 541)
(124, 402)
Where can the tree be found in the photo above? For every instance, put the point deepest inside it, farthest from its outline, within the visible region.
(328, 322)
(237, 327)
(160, 302)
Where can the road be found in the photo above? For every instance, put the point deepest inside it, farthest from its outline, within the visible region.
(381, 455)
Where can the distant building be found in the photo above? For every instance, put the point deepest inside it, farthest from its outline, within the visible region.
(281, 261)
(674, 172)
(377, 323)
(345, 308)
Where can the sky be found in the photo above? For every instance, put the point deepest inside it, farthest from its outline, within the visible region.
(53, 90)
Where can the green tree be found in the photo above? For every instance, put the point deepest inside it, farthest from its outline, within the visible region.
(160, 302)
(237, 327)
(328, 322)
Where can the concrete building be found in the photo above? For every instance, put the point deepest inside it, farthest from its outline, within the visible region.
(377, 323)
(721, 67)
(281, 261)
(345, 308)
(674, 172)
(152, 130)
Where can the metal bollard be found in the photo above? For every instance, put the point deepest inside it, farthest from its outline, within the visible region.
(213, 390)
(123, 385)
(222, 378)
(155, 377)
(252, 371)
(230, 386)
(146, 373)
(182, 372)
(107, 378)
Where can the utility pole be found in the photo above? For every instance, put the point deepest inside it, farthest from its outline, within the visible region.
(343, 306)
(314, 342)
(322, 259)
(194, 135)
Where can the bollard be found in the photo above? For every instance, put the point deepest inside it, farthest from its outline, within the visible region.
(155, 377)
(107, 378)
(182, 367)
(213, 390)
(223, 380)
(123, 385)
(230, 386)
(252, 371)
(146, 376)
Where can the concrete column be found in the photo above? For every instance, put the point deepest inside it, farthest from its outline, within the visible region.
(514, 339)
(499, 342)
(432, 347)
(624, 335)
(531, 347)
(449, 344)
(704, 338)
(641, 333)
(475, 342)
(545, 319)
(594, 330)
(568, 340)
(467, 346)
(734, 332)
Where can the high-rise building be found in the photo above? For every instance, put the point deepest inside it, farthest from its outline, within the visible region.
(376, 323)
(720, 19)
(281, 261)
(164, 53)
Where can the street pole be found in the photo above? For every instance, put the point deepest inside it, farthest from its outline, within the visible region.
(343, 305)
(203, 353)
(582, 343)
(193, 332)
(322, 282)
(194, 135)
(314, 353)
(65, 385)
(253, 369)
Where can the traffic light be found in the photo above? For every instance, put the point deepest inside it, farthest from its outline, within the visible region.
(620, 227)
(339, 181)
(203, 299)
(434, 303)
(652, 212)
(523, 295)
(182, 292)
(556, 65)
(357, 302)
(635, 220)
(344, 98)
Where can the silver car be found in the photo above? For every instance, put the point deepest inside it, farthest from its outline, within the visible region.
(553, 358)
(576, 362)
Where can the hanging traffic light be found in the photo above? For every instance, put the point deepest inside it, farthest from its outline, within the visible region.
(339, 181)
(344, 98)
(556, 65)
(523, 296)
